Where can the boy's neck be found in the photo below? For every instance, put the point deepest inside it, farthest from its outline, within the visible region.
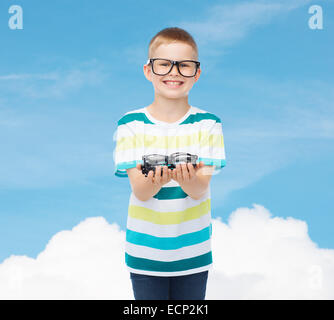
(168, 110)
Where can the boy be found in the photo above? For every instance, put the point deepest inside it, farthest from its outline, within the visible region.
(168, 236)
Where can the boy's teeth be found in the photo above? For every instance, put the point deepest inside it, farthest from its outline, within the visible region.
(174, 81)
(173, 84)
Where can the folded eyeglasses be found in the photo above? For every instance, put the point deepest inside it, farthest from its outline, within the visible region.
(151, 161)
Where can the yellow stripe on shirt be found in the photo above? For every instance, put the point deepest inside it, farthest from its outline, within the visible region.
(176, 217)
(201, 138)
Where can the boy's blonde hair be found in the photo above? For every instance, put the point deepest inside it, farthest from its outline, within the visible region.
(169, 35)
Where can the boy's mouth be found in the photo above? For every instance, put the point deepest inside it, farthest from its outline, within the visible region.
(173, 84)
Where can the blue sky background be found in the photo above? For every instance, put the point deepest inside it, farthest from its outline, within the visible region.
(77, 67)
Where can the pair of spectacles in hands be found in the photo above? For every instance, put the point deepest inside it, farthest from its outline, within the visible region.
(151, 161)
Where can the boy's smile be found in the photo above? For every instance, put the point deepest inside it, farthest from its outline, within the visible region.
(173, 84)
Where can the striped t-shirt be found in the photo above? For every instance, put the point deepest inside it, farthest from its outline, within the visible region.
(169, 234)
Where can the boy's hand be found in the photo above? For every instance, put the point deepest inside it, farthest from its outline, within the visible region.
(158, 179)
(185, 172)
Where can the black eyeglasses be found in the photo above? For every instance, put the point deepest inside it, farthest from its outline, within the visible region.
(161, 67)
(151, 161)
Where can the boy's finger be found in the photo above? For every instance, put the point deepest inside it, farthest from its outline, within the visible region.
(165, 174)
(185, 173)
(191, 169)
(157, 176)
(174, 174)
(168, 175)
(178, 172)
(150, 175)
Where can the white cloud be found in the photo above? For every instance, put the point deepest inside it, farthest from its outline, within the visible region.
(24, 76)
(227, 23)
(85, 263)
(55, 84)
(256, 256)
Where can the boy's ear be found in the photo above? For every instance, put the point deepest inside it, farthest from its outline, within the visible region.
(198, 74)
(147, 72)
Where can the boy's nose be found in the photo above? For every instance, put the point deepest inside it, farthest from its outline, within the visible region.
(174, 70)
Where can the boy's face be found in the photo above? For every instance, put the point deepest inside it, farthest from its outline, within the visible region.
(173, 51)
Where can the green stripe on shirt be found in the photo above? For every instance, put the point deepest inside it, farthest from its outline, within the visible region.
(169, 266)
(168, 243)
(141, 116)
(199, 117)
(136, 116)
(169, 193)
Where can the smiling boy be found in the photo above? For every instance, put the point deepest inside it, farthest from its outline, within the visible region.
(168, 236)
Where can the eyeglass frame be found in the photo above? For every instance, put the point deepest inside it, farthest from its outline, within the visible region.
(173, 62)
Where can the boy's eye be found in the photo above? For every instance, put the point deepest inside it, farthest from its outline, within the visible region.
(184, 65)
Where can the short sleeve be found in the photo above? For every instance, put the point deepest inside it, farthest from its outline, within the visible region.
(212, 149)
(126, 152)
